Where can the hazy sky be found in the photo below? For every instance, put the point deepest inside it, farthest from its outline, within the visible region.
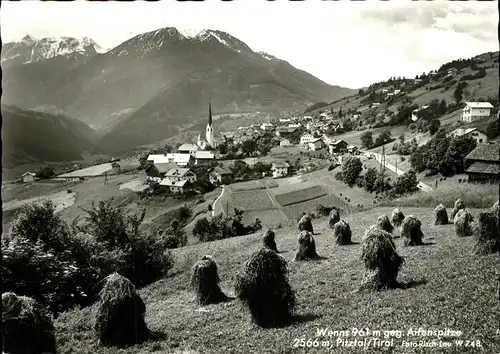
(345, 43)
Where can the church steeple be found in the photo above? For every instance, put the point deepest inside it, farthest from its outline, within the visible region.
(209, 111)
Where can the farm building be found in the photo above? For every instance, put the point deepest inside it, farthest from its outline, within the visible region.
(316, 144)
(188, 149)
(180, 174)
(294, 125)
(476, 110)
(175, 186)
(474, 133)
(115, 168)
(353, 150)
(201, 157)
(181, 160)
(285, 142)
(157, 171)
(266, 126)
(484, 163)
(280, 169)
(218, 175)
(28, 177)
(306, 138)
(337, 146)
(284, 131)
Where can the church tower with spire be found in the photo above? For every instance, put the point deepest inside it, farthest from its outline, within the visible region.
(209, 132)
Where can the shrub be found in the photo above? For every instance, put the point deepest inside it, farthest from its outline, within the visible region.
(351, 168)
(411, 231)
(441, 215)
(120, 246)
(268, 240)
(342, 233)
(307, 247)
(486, 234)
(201, 228)
(265, 276)
(26, 328)
(339, 176)
(381, 261)
(205, 282)
(323, 210)
(397, 217)
(119, 314)
(463, 223)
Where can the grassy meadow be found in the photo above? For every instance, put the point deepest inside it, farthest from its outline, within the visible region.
(443, 286)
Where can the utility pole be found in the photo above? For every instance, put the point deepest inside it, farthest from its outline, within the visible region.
(396, 165)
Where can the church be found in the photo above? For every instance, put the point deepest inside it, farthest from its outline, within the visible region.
(208, 142)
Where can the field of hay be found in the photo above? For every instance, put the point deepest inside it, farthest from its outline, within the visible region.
(254, 184)
(444, 287)
(250, 200)
(301, 195)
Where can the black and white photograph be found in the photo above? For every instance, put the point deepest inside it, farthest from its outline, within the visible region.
(250, 176)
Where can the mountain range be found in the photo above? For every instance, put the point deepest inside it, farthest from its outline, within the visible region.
(150, 86)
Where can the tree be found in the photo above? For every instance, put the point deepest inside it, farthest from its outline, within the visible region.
(434, 126)
(412, 127)
(248, 147)
(383, 138)
(331, 111)
(341, 114)
(223, 148)
(370, 178)
(453, 160)
(351, 168)
(406, 183)
(367, 139)
(493, 129)
(442, 107)
(459, 90)
(45, 172)
(402, 138)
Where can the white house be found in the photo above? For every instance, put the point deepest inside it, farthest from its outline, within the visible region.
(188, 148)
(316, 144)
(474, 133)
(294, 125)
(28, 177)
(266, 126)
(396, 92)
(285, 142)
(176, 179)
(476, 110)
(306, 138)
(280, 169)
(203, 156)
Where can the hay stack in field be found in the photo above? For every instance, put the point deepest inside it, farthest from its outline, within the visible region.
(262, 285)
(334, 217)
(486, 234)
(205, 282)
(268, 240)
(381, 260)
(459, 205)
(26, 328)
(307, 247)
(305, 223)
(384, 224)
(342, 233)
(441, 215)
(463, 223)
(411, 231)
(119, 313)
(397, 217)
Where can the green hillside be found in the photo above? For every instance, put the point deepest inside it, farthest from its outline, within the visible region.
(438, 292)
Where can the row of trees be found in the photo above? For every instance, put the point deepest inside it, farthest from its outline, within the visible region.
(382, 139)
(443, 154)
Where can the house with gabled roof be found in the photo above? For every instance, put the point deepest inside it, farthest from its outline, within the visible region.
(474, 133)
(157, 171)
(476, 110)
(29, 177)
(279, 169)
(219, 175)
(483, 163)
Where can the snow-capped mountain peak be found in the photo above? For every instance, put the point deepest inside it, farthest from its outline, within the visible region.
(30, 49)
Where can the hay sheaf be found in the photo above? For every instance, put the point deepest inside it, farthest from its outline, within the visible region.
(268, 240)
(263, 287)
(26, 327)
(397, 217)
(411, 231)
(119, 313)
(384, 224)
(441, 215)
(307, 247)
(381, 261)
(486, 234)
(205, 282)
(305, 224)
(342, 233)
(463, 223)
(334, 217)
(459, 205)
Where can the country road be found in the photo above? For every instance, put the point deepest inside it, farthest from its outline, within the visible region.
(218, 207)
(424, 187)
